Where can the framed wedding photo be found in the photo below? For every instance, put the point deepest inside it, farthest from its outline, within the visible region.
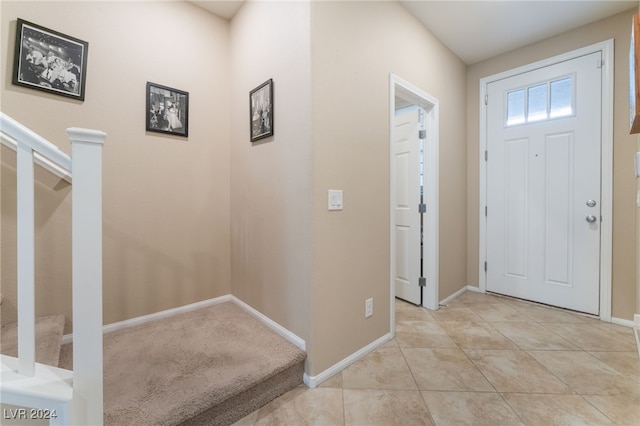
(261, 111)
(47, 60)
(167, 110)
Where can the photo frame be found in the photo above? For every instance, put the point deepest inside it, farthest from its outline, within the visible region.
(50, 61)
(634, 76)
(261, 111)
(167, 110)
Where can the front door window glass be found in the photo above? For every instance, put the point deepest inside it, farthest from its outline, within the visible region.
(515, 107)
(561, 98)
(543, 101)
(537, 103)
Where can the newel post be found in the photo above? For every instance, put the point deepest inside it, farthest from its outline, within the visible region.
(86, 154)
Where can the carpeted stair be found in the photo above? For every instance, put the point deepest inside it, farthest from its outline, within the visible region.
(212, 366)
(49, 331)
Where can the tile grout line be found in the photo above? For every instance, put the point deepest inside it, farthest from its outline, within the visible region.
(512, 409)
(575, 392)
(519, 348)
(424, 401)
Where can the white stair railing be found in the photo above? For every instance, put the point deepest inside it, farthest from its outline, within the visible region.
(85, 164)
(86, 254)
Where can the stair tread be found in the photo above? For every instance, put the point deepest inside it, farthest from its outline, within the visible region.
(171, 370)
(49, 330)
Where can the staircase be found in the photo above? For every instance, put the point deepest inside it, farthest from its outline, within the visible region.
(74, 396)
(49, 331)
(209, 366)
(212, 366)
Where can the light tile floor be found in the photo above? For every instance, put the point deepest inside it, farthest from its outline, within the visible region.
(481, 360)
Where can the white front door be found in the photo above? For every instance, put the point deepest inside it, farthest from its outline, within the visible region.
(543, 184)
(406, 155)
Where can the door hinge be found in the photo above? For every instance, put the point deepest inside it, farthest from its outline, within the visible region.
(486, 99)
(485, 266)
(422, 208)
(486, 156)
(422, 134)
(600, 63)
(422, 282)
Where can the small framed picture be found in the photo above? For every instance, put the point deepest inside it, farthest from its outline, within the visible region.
(50, 61)
(261, 111)
(167, 110)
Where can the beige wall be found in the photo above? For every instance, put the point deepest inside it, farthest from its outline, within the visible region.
(624, 245)
(355, 45)
(191, 219)
(271, 186)
(166, 199)
(187, 220)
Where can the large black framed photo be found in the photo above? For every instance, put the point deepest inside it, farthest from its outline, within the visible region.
(261, 111)
(167, 110)
(50, 61)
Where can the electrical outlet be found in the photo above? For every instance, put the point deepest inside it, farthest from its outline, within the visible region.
(368, 308)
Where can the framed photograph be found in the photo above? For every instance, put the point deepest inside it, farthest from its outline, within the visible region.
(50, 61)
(167, 110)
(634, 76)
(261, 111)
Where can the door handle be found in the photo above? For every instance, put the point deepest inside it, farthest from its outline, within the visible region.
(591, 218)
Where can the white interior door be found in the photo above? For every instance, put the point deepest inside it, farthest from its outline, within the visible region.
(406, 154)
(543, 184)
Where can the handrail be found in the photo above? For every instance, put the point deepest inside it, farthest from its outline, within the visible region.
(37, 143)
(86, 405)
(38, 158)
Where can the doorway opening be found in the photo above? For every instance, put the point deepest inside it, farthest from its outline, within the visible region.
(534, 249)
(421, 202)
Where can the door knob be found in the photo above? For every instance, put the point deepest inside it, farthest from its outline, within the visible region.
(591, 203)
(591, 218)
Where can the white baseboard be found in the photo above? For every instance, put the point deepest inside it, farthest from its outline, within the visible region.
(447, 300)
(315, 381)
(624, 322)
(636, 320)
(109, 328)
(300, 343)
(68, 338)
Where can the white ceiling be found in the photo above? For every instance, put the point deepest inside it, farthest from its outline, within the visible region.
(223, 8)
(478, 29)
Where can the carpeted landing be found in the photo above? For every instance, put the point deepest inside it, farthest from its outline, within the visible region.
(212, 366)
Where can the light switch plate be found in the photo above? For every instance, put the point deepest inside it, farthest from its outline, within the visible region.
(637, 164)
(335, 199)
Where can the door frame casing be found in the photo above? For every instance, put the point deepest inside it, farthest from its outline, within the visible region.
(407, 91)
(606, 228)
